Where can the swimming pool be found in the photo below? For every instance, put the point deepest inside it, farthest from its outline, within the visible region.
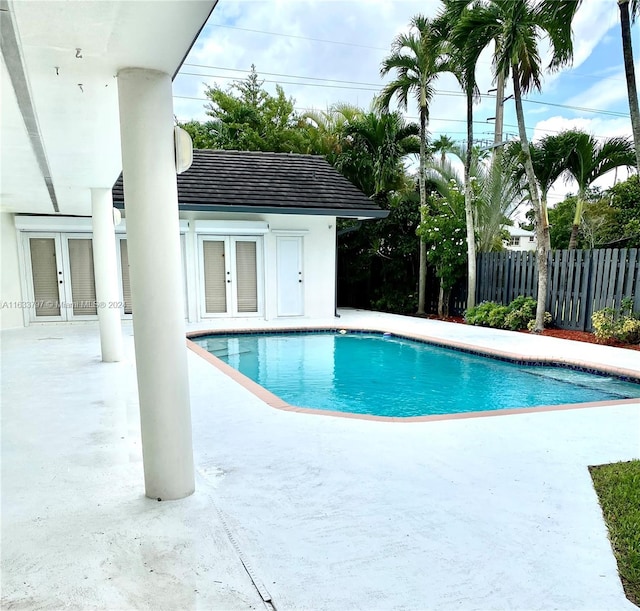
(386, 375)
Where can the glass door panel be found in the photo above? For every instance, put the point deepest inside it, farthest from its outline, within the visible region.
(46, 276)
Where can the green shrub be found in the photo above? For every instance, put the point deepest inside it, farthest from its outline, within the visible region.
(521, 311)
(617, 324)
(480, 314)
(519, 314)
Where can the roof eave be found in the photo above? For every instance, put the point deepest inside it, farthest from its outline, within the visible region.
(360, 213)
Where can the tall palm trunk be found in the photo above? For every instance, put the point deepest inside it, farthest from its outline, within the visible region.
(422, 272)
(544, 220)
(630, 75)
(468, 206)
(542, 251)
(573, 240)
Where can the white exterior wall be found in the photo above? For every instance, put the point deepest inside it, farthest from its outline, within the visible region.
(318, 235)
(319, 262)
(319, 259)
(524, 245)
(524, 241)
(10, 285)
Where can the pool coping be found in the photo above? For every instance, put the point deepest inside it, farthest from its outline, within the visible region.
(276, 402)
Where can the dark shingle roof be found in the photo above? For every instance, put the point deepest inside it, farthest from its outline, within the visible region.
(284, 183)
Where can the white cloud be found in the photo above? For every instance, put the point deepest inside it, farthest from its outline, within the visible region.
(599, 127)
(369, 24)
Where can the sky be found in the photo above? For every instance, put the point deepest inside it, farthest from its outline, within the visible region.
(328, 51)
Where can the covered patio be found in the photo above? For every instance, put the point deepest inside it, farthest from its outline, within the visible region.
(299, 511)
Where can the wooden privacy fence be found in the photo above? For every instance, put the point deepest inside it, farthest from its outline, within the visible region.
(580, 281)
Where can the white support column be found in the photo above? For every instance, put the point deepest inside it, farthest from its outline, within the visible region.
(157, 289)
(106, 275)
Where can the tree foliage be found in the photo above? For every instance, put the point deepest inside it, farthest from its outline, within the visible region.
(246, 117)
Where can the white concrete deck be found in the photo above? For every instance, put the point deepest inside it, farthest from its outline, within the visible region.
(331, 513)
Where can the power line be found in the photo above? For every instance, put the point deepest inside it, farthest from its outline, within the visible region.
(409, 117)
(375, 87)
(309, 78)
(331, 42)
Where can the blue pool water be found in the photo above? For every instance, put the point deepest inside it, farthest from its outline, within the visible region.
(392, 376)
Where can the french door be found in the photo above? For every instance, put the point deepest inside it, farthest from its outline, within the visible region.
(61, 279)
(230, 276)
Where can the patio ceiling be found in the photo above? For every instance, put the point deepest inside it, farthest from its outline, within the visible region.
(59, 121)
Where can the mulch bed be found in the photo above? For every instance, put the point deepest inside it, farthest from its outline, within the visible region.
(578, 336)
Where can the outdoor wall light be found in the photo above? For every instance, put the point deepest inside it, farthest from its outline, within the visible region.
(183, 148)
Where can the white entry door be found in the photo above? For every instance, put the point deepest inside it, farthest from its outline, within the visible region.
(61, 279)
(231, 276)
(289, 276)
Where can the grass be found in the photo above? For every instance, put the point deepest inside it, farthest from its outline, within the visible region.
(618, 488)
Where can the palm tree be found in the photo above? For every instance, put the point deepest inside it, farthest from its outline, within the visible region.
(629, 11)
(501, 192)
(515, 26)
(325, 128)
(445, 181)
(550, 158)
(374, 149)
(443, 145)
(415, 58)
(461, 56)
(590, 159)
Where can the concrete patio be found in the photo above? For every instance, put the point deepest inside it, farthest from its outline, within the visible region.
(326, 513)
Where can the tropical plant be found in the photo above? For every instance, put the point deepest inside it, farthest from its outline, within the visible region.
(443, 229)
(325, 129)
(519, 314)
(550, 159)
(374, 147)
(625, 200)
(516, 26)
(499, 193)
(442, 145)
(461, 56)
(590, 159)
(621, 324)
(416, 60)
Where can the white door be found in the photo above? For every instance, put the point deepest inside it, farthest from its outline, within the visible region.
(61, 277)
(44, 258)
(231, 276)
(290, 288)
(78, 269)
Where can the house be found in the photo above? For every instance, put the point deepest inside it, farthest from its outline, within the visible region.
(257, 239)
(258, 234)
(86, 93)
(240, 234)
(520, 239)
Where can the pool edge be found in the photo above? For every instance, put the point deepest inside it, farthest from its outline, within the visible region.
(276, 402)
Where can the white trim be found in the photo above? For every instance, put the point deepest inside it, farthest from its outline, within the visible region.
(293, 232)
(58, 224)
(231, 227)
(231, 276)
(71, 224)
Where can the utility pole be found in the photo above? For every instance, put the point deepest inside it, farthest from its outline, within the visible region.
(497, 134)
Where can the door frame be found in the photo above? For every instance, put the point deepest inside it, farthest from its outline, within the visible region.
(30, 310)
(301, 275)
(66, 261)
(231, 271)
